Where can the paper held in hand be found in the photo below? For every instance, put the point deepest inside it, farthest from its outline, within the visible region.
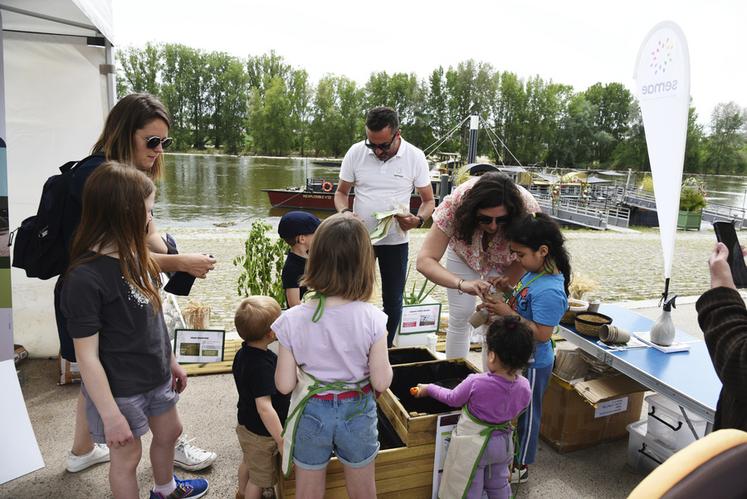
(385, 219)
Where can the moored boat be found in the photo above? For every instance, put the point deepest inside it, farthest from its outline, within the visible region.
(317, 194)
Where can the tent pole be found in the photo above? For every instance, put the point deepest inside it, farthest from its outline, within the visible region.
(111, 83)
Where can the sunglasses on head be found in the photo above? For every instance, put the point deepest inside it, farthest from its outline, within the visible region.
(383, 147)
(486, 220)
(152, 142)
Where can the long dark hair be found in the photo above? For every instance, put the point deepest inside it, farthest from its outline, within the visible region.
(536, 229)
(491, 190)
(114, 215)
(129, 115)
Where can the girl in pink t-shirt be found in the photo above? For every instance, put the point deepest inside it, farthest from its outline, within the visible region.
(333, 356)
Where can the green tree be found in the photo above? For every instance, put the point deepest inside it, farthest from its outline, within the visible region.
(338, 116)
(632, 151)
(611, 106)
(300, 94)
(694, 144)
(436, 107)
(261, 70)
(270, 119)
(574, 138)
(727, 138)
(139, 70)
(509, 111)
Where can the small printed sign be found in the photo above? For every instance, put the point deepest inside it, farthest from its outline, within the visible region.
(199, 345)
(420, 318)
(609, 407)
(445, 425)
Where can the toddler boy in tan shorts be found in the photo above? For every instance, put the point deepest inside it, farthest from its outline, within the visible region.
(261, 409)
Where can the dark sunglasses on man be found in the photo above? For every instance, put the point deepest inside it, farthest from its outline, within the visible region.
(152, 142)
(384, 147)
(486, 220)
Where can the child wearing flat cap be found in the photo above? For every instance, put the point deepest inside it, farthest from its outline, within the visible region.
(297, 229)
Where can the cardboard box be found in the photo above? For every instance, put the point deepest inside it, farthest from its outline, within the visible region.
(589, 412)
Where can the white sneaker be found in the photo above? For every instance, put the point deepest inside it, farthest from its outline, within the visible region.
(191, 458)
(519, 475)
(99, 454)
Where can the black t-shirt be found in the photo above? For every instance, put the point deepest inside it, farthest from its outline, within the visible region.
(254, 374)
(293, 270)
(134, 346)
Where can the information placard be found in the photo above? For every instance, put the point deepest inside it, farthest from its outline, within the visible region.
(446, 424)
(199, 345)
(421, 318)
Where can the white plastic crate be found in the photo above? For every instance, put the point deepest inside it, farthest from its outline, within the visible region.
(667, 424)
(644, 452)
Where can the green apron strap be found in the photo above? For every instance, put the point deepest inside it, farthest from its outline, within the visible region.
(319, 307)
(487, 432)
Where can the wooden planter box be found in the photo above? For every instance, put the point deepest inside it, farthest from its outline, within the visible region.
(409, 355)
(689, 220)
(401, 472)
(397, 403)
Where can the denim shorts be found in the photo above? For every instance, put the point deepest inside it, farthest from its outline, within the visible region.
(136, 410)
(346, 427)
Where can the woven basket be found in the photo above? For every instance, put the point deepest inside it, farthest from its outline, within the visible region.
(589, 323)
(574, 306)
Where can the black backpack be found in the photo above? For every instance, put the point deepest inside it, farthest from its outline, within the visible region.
(40, 247)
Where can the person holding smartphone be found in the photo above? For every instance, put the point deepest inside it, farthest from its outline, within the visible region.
(722, 316)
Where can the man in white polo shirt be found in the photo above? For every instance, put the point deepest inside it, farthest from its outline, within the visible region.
(384, 169)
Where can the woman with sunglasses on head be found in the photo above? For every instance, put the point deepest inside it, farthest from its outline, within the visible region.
(135, 134)
(469, 226)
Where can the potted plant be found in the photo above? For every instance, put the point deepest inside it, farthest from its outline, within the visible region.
(261, 264)
(692, 202)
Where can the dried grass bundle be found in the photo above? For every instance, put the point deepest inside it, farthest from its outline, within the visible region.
(581, 284)
(197, 315)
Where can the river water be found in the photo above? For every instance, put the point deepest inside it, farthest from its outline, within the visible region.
(209, 202)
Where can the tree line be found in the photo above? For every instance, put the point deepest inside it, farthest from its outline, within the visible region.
(263, 105)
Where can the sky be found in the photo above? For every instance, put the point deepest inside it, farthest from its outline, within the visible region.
(566, 41)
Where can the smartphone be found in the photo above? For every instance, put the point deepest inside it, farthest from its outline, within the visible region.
(725, 233)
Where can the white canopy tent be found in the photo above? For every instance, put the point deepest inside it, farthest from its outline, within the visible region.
(56, 88)
(58, 71)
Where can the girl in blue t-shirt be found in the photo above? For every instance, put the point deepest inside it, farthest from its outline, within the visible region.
(541, 298)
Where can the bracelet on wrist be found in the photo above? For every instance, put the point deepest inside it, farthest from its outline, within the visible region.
(459, 287)
(345, 209)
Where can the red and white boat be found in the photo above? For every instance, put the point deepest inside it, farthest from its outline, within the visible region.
(318, 194)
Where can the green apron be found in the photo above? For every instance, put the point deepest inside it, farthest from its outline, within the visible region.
(468, 442)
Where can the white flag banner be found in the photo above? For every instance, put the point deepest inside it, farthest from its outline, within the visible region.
(662, 75)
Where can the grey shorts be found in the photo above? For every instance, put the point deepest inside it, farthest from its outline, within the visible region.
(136, 410)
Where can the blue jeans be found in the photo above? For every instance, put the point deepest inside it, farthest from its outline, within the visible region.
(347, 427)
(393, 268)
(529, 422)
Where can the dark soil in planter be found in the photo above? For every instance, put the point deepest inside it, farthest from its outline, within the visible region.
(387, 436)
(444, 373)
(409, 355)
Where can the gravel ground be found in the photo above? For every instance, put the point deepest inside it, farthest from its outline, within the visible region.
(625, 266)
